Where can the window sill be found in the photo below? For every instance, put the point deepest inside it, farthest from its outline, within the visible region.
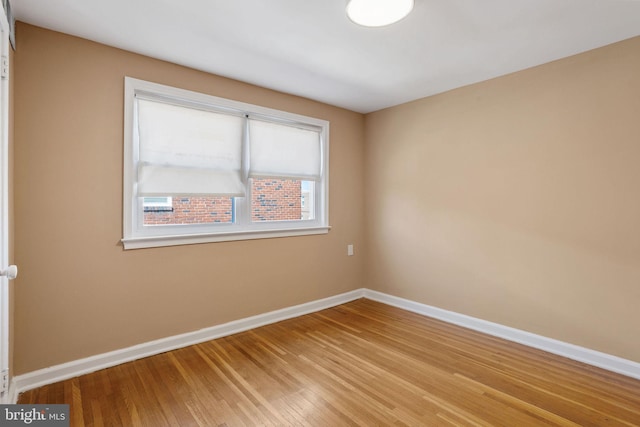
(192, 239)
(155, 209)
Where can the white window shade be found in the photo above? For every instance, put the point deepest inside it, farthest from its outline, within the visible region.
(157, 181)
(283, 151)
(186, 151)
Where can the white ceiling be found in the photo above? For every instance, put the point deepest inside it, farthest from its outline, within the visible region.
(310, 48)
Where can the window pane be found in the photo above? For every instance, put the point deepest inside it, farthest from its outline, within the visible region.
(185, 150)
(279, 150)
(275, 199)
(308, 198)
(192, 210)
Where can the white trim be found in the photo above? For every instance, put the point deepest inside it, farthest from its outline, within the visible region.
(4, 196)
(72, 369)
(12, 395)
(192, 239)
(560, 348)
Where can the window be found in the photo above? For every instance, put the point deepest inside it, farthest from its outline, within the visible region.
(204, 169)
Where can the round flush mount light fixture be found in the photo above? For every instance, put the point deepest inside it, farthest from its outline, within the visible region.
(378, 13)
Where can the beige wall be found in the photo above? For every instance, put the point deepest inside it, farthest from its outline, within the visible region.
(516, 200)
(79, 293)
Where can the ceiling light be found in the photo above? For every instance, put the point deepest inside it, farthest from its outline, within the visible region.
(377, 13)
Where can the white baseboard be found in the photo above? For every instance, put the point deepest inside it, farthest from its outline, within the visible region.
(560, 348)
(75, 368)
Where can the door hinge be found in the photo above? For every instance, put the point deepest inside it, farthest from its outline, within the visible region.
(4, 67)
(4, 381)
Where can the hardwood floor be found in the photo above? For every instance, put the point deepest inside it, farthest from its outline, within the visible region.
(361, 363)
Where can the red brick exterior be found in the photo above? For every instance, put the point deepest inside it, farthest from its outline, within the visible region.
(272, 200)
(275, 200)
(192, 210)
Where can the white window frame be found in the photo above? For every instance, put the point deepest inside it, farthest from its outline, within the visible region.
(136, 235)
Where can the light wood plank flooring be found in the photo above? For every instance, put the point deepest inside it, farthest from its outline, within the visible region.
(361, 363)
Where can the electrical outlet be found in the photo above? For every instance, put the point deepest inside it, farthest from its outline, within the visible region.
(350, 250)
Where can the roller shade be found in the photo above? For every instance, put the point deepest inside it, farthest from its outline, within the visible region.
(185, 151)
(284, 151)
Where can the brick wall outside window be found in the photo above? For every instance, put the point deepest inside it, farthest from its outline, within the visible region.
(272, 200)
(275, 200)
(192, 210)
